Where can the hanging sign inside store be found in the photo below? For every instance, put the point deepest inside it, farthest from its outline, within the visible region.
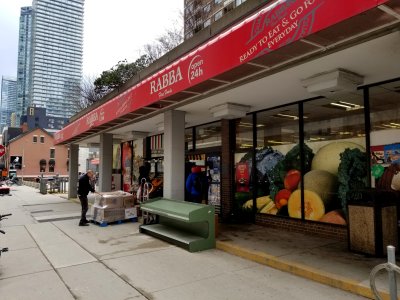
(272, 27)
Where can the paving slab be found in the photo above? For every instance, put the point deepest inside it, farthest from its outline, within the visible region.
(57, 217)
(21, 262)
(43, 285)
(58, 207)
(111, 241)
(93, 281)
(329, 262)
(16, 238)
(255, 283)
(59, 249)
(159, 270)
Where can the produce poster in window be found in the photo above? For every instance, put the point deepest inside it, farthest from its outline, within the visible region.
(279, 177)
(377, 155)
(392, 153)
(127, 166)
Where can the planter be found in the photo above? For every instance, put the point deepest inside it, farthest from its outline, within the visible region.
(372, 221)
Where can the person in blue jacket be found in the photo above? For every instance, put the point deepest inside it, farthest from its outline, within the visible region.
(194, 185)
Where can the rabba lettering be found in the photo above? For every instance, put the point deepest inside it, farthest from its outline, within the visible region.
(165, 80)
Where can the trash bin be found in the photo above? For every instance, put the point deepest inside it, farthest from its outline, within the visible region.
(372, 221)
(43, 186)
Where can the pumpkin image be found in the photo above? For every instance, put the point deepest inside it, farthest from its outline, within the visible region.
(314, 206)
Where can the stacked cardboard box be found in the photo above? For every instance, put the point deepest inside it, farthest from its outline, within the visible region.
(113, 206)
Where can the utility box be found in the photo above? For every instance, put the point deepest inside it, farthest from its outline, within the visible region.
(43, 186)
(372, 220)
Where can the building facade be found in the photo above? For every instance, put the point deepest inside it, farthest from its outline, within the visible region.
(24, 62)
(199, 14)
(276, 105)
(36, 117)
(33, 153)
(8, 100)
(57, 41)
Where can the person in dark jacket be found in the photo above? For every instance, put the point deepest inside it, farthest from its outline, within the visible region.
(84, 188)
(194, 185)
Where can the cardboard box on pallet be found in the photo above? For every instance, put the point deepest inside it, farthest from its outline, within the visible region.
(105, 214)
(116, 199)
(131, 212)
(129, 202)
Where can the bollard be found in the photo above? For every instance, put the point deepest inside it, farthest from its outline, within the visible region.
(392, 275)
(391, 268)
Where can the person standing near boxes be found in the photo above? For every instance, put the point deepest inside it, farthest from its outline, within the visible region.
(84, 187)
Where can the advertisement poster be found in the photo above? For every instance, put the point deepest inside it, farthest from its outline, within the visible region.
(16, 162)
(392, 153)
(127, 166)
(214, 180)
(377, 155)
(116, 165)
(242, 177)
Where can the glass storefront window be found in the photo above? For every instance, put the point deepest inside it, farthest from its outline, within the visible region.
(334, 130)
(208, 135)
(244, 134)
(189, 139)
(243, 185)
(385, 135)
(277, 155)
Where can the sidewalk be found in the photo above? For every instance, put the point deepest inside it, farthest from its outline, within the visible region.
(322, 260)
(56, 259)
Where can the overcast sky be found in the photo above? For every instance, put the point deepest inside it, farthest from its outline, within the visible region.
(114, 30)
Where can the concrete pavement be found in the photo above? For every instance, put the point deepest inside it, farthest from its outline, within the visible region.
(60, 260)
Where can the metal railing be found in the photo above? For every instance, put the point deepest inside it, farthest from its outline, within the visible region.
(392, 268)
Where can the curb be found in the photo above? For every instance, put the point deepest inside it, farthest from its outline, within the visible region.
(301, 270)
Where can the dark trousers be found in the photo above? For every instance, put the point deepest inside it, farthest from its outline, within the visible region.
(195, 198)
(85, 207)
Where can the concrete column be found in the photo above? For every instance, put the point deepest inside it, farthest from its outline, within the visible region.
(105, 167)
(174, 155)
(73, 170)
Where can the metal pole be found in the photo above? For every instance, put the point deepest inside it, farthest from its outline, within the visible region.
(392, 275)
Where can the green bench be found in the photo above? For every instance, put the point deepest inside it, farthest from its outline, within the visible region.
(185, 224)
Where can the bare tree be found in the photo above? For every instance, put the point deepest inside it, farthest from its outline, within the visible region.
(88, 94)
(93, 89)
(170, 39)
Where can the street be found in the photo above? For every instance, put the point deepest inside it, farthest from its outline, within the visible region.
(60, 260)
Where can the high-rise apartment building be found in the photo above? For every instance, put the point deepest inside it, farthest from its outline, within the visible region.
(8, 100)
(24, 62)
(199, 14)
(57, 40)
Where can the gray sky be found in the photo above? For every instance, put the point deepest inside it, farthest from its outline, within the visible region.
(114, 30)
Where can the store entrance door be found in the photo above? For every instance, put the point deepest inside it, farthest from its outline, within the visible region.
(210, 164)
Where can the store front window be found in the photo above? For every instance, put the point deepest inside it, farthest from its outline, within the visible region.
(277, 159)
(334, 131)
(385, 135)
(303, 154)
(208, 135)
(189, 139)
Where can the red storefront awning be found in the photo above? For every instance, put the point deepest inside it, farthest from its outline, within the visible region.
(272, 27)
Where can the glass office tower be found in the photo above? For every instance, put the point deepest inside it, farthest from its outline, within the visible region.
(57, 55)
(8, 100)
(24, 62)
